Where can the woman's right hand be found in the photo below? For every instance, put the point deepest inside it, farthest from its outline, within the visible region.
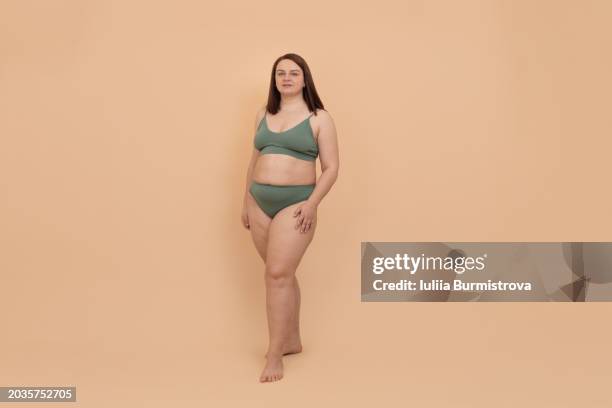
(245, 217)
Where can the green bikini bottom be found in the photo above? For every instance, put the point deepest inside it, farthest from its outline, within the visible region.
(271, 199)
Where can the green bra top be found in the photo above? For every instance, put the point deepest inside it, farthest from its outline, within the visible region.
(297, 141)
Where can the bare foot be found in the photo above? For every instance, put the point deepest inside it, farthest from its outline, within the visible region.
(293, 346)
(273, 371)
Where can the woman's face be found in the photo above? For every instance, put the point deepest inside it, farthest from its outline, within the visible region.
(289, 77)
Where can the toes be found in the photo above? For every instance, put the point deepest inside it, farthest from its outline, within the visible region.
(270, 377)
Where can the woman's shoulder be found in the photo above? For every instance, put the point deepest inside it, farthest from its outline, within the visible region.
(322, 115)
(261, 111)
(259, 116)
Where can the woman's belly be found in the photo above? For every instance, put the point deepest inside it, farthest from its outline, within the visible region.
(280, 169)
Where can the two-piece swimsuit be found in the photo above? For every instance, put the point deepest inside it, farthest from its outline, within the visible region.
(297, 142)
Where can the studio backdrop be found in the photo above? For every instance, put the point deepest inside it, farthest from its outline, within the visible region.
(126, 128)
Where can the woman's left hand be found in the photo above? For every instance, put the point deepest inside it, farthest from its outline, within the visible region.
(307, 214)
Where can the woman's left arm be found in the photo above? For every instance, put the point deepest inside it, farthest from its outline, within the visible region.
(329, 157)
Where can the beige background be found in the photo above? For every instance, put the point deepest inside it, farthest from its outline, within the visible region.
(126, 130)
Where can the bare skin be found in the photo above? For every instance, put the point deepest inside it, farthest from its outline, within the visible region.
(282, 241)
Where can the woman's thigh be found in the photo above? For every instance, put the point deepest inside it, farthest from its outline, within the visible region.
(259, 223)
(286, 244)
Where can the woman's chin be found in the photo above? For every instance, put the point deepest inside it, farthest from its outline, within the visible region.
(288, 92)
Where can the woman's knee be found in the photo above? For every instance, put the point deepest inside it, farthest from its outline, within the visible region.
(279, 274)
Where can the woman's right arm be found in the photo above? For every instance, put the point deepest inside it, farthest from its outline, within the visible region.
(250, 172)
(254, 155)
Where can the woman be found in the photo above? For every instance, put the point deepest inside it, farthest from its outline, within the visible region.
(281, 197)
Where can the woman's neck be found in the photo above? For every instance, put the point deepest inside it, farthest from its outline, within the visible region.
(292, 103)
